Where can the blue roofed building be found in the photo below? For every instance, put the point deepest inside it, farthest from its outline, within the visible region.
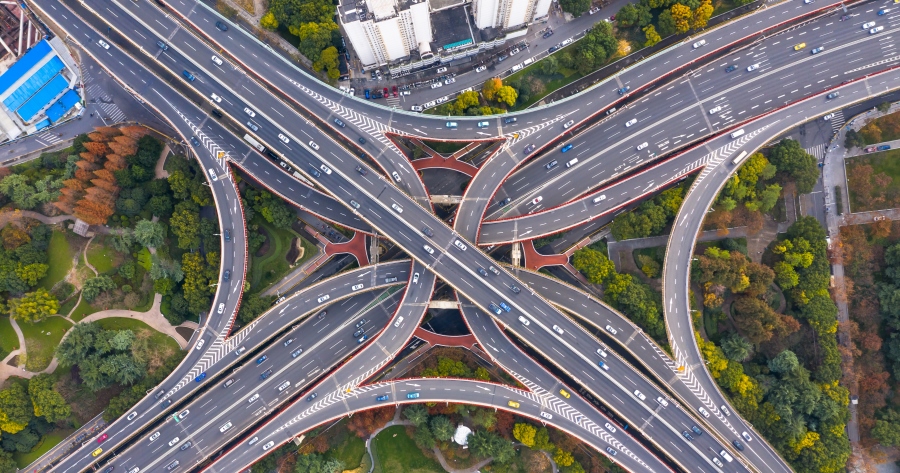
(38, 89)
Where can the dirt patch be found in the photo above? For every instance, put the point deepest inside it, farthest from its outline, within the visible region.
(264, 248)
(14, 361)
(185, 332)
(295, 252)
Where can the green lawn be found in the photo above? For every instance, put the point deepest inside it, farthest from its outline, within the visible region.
(272, 266)
(67, 307)
(101, 256)
(49, 441)
(348, 448)
(83, 310)
(395, 452)
(8, 339)
(158, 339)
(887, 162)
(59, 258)
(39, 346)
(144, 259)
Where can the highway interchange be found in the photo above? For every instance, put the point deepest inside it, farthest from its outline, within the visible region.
(572, 349)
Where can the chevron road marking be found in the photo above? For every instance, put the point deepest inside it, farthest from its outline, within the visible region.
(205, 140)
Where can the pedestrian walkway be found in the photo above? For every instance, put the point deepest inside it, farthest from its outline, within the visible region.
(534, 261)
(465, 341)
(436, 160)
(356, 246)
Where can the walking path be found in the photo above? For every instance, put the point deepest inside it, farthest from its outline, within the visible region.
(437, 160)
(159, 171)
(467, 341)
(535, 261)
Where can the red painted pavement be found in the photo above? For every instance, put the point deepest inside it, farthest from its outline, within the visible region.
(356, 246)
(436, 160)
(535, 261)
(467, 341)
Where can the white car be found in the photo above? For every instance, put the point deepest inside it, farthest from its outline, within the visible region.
(601, 352)
(437, 84)
(480, 68)
(630, 122)
(567, 124)
(313, 145)
(268, 445)
(215, 98)
(642, 146)
(514, 52)
(662, 402)
(557, 329)
(537, 200)
(610, 428)
(442, 99)
(356, 287)
(216, 60)
(429, 249)
(415, 278)
(876, 29)
(828, 117)
(325, 169)
(283, 138)
(323, 298)
(397, 208)
(221, 308)
(253, 398)
(702, 42)
(546, 415)
(714, 459)
(225, 427)
(753, 67)
(416, 108)
(249, 112)
(174, 441)
(441, 70)
(132, 415)
(450, 81)
(154, 436)
(640, 395)
(715, 110)
(103, 44)
(395, 176)
(868, 25)
(611, 330)
(746, 436)
(199, 345)
(462, 246)
(703, 411)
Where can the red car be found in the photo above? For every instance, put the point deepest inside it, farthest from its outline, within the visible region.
(386, 93)
(612, 18)
(102, 438)
(394, 90)
(870, 149)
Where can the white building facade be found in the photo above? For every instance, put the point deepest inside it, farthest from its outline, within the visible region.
(388, 30)
(508, 14)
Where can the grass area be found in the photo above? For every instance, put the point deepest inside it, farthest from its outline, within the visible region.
(49, 441)
(446, 147)
(395, 452)
(83, 310)
(60, 258)
(41, 340)
(158, 339)
(272, 266)
(347, 448)
(552, 82)
(881, 129)
(865, 196)
(144, 259)
(101, 256)
(8, 339)
(67, 307)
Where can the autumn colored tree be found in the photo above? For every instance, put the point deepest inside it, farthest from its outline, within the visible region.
(490, 87)
(682, 16)
(702, 14)
(34, 306)
(652, 37)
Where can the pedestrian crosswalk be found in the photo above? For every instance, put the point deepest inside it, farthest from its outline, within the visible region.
(393, 102)
(112, 113)
(97, 93)
(48, 138)
(837, 121)
(817, 151)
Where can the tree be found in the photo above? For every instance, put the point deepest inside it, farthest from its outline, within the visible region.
(329, 60)
(594, 264)
(575, 7)
(651, 35)
(268, 21)
(563, 458)
(423, 437)
(481, 442)
(542, 440)
(254, 305)
(702, 14)
(417, 414)
(484, 418)
(853, 139)
(34, 306)
(314, 37)
(665, 24)
(736, 348)
(442, 428)
(47, 403)
(784, 363)
(15, 408)
(524, 433)
(490, 87)
(93, 287)
(549, 65)
(7, 463)
(887, 428)
(149, 234)
(883, 107)
(466, 100)
(796, 163)
(628, 15)
(507, 95)
(31, 273)
(682, 16)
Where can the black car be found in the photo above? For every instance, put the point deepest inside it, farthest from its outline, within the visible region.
(504, 201)
(312, 396)
(687, 435)
(186, 446)
(221, 26)
(361, 323)
(265, 374)
(731, 68)
(427, 231)
(217, 113)
(509, 120)
(109, 470)
(548, 34)
(515, 289)
(738, 445)
(482, 272)
(358, 333)
(529, 148)
(362, 170)
(323, 314)
(552, 48)
(166, 403)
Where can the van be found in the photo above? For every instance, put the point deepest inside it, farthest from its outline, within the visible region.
(390, 280)
(726, 456)
(517, 67)
(399, 321)
(452, 125)
(611, 111)
(228, 383)
(599, 198)
(571, 163)
(187, 75)
(737, 133)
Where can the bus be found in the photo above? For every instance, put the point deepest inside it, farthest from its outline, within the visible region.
(739, 158)
(252, 141)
